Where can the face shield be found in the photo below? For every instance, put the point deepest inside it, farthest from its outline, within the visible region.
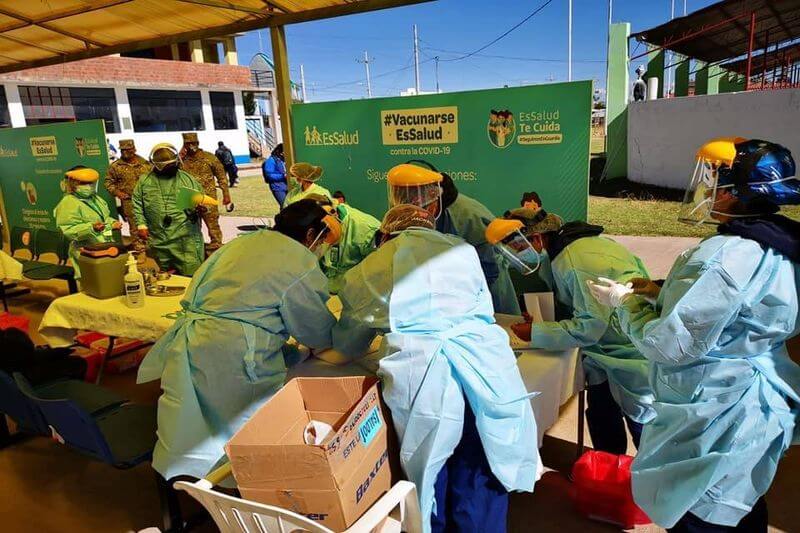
(506, 235)
(329, 236)
(164, 156)
(415, 185)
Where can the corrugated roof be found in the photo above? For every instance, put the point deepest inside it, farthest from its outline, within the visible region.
(722, 31)
(773, 60)
(35, 33)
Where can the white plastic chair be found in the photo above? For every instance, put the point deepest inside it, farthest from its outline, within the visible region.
(235, 515)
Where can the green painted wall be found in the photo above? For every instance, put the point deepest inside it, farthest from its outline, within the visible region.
(655, 69)
(682, 77)
(707, 79)
(731, 82)
(617, 97)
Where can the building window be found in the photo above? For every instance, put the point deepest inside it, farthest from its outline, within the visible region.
(5, 116)
(224, 111)
(45, 105)
(165, 110)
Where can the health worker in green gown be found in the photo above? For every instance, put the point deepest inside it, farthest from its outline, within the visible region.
(303, 178)
(223, 358)
(420, 184)
(619, 393)
(82, 215)
(172, 234)
(357, 242)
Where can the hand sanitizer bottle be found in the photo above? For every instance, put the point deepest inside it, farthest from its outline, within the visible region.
(134, 284)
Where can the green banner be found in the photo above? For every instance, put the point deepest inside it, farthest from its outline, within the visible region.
(32, 165)
(495, 144)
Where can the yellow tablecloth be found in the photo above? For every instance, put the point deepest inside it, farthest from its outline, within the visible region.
(111, 317)
(10, 268)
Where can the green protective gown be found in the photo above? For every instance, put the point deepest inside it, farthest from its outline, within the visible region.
(468, 218)
(222, 358)
(358, 235)
(179, 244)
(609, 353)
(296, 193)
(75, 217)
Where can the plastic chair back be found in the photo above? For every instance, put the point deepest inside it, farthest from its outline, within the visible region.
(22, 239)
(20, 407)
(71, 425)
(51, 242)
(235, 515)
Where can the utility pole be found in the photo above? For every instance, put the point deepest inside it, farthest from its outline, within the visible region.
(303, 81)
(416, 59)
(684, 8)
(366, 66)
(668, 56)
(569, 42)
(436, 65)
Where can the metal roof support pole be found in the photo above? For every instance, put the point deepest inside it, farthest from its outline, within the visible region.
(283, 84)
(750, 50)
(764, 60)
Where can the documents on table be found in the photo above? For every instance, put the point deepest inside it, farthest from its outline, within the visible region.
(540, 306)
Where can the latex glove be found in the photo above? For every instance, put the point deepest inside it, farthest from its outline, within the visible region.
(522, 330)
(98, 226)
(226, 199)
(116, 225)
(608, 292)
(143, 233)
(646, 288)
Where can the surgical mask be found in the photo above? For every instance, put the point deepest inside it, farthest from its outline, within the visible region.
(84, 191)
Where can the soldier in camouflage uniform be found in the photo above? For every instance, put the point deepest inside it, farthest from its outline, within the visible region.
(205, 167)
(121, 179)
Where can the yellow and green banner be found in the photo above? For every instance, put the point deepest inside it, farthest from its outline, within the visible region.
(32, 165)
(496, 144)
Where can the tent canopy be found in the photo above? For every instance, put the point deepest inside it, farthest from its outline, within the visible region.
(722, 30)
(35, 33)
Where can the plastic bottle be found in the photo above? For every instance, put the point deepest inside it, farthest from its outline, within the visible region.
(134, 284)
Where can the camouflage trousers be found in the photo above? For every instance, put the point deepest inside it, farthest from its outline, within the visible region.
(211, 220)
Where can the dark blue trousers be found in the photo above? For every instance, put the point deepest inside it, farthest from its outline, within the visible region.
(606, 421)
(279, 191)
(468, 496)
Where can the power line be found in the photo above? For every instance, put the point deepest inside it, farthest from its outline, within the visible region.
(511, 58)
(506, 33)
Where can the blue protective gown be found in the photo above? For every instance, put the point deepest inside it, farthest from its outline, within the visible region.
(608, 353)
(468, 219)
(222, 359)
(425, 291)
(726, 392)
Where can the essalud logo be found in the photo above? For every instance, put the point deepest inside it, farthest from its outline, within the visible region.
(314, 137)
(501, 128)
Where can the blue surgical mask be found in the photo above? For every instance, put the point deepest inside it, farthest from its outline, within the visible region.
(84, 191)
(529, 257)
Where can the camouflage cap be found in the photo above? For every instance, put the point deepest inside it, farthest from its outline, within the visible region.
(190, 137)
(126, 144)
(536, 220)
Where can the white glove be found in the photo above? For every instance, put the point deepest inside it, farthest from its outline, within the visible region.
(608, 292)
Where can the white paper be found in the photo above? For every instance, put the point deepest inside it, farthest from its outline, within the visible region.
(316, 432)
(540, 305)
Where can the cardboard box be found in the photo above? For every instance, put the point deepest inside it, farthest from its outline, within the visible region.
(333, 483)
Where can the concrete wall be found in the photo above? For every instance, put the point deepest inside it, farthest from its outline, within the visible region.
(664, 135)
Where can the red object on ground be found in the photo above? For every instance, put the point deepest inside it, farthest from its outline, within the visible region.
(94, 360)
(88, 337)
(602, 484)
(20, 322)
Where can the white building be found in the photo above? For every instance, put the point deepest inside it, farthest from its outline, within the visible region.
(151, 95)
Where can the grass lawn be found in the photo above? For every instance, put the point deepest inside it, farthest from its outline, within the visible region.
(619, 216)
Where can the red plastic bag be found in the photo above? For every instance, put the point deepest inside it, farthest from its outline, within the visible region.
(602, 484)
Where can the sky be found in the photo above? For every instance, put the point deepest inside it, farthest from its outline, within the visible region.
(533, 53)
